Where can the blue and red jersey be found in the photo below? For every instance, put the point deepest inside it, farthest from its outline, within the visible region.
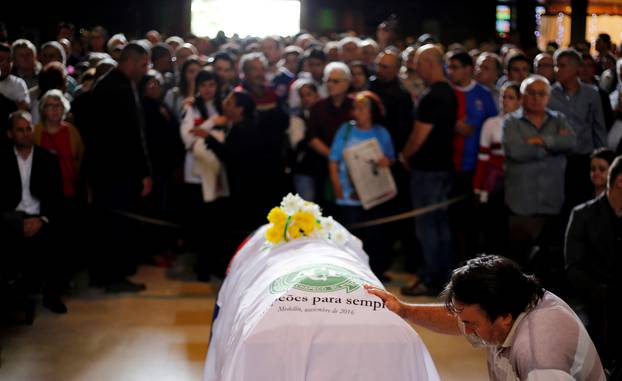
(475, 105)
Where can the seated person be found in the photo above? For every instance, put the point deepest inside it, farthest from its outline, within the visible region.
(31, 191)
(592, 254)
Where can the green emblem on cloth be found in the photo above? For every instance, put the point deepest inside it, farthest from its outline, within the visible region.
(318, 278)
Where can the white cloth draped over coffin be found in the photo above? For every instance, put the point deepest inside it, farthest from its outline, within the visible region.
(297, 312)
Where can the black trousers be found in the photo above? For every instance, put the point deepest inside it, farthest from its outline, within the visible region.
(36, 261)
(375, 240)
(578, 187)
(115, 237)
(209, 231)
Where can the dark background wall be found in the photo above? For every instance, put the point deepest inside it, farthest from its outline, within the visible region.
(38, 20)
(451, 20)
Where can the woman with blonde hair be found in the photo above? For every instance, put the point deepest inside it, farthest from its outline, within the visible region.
(61, 138)
(56, 135)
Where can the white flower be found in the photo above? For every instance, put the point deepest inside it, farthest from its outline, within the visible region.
(316, 234)
(291, 204)
(327, 223)
(312, 208)
(338, 236)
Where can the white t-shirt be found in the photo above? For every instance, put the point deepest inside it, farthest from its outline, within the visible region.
(546, 343)
(492, 137)
(15, 89)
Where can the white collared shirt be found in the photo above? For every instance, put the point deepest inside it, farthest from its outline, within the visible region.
(29, 204)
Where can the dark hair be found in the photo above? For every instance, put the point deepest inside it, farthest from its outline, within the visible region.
(496, 58)
(224, 56)
(603, 153)
(100, 29)
(494, 283)
(160, 50)
(307, 83)
(4, 47)
(244, 100)
(588, 57)
(424, 39)
(361, 65)
(516, 58)
(52, 76)
(554, 45)
(65, 25)
(582, 46)
(134, 51)
(615, 170)
(206, 75)
(463, 57)
(375, 105)
(142, 85)
(512, 85)
(315, 53)
(569, 53)
(183, 82)
(19, 114)
(605, 38)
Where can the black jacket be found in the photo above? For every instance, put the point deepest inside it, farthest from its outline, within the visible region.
(593, 250)
(116, 149)
(255, 171)
(46, 182)
(398, 106)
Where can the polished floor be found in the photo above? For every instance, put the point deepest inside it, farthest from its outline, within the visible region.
(160, 334)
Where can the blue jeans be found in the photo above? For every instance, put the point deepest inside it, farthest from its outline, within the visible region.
(305, 186)
(375, 241)
(432, 229)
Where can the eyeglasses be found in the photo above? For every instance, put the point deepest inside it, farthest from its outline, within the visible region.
(534, 93)
(335, 80)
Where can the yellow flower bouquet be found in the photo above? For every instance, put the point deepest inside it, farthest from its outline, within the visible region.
(296, 218)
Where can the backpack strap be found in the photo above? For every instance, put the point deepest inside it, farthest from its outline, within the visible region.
(346, 135)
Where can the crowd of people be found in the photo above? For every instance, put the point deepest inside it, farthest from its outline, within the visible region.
(210, 133)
